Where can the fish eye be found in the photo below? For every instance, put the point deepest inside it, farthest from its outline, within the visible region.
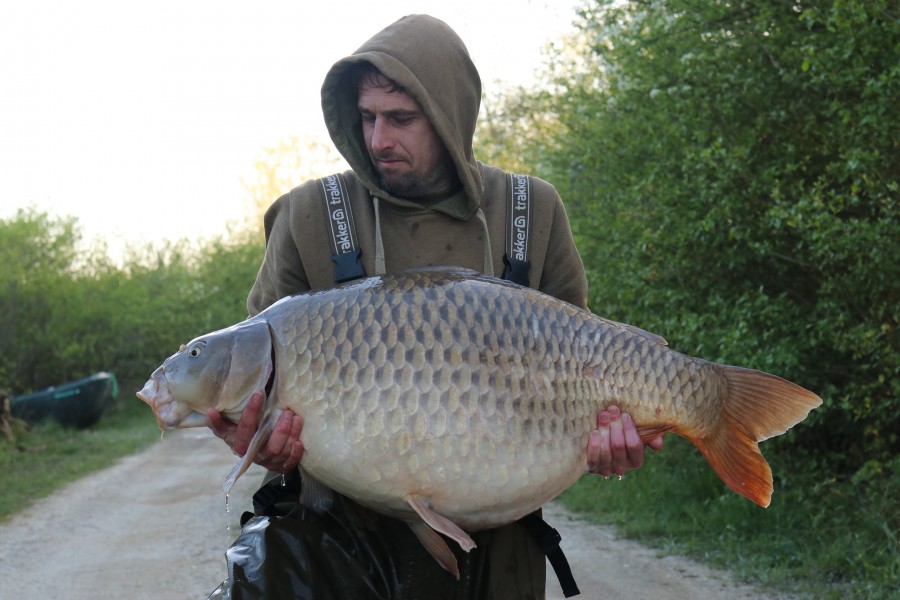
(196, 350)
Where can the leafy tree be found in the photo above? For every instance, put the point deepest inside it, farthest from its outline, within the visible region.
(731, 170)
(281, 167)
(37, 256)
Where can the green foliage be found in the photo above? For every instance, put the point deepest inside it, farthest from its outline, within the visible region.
(35, 254)
(816, 539)
(515, 128)
(732, 173)
(67, 312)
(732, 170)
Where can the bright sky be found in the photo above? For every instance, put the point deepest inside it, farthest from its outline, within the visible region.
(142, 118)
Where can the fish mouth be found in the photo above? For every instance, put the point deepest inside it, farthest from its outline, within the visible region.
(159, 398)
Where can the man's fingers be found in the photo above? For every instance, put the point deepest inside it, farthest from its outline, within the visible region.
(294, 459)
(593, 457)
(617, 441)
(246, 427)
(296, 427)
(294, 444)
(283, 449)
(221, 427)
(599, 456)
(602, 419)
(616, 446)
(280, 441)
(215, 422)
(633, 445)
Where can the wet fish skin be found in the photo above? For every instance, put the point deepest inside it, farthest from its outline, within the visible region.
(464, 402)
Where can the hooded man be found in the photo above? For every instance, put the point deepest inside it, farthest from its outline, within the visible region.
(402, 111)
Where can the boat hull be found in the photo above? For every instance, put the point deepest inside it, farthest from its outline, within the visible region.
(76, 404)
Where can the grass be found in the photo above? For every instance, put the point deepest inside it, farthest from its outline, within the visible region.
(820, 538)
(45, 457)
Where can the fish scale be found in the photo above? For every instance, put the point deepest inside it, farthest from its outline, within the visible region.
(459, 402)
(451, 405)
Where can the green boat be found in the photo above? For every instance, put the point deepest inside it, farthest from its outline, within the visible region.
(77, 404)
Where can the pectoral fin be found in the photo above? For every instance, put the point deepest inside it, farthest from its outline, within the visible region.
(429, 537)
(265, 429)
(650, 432)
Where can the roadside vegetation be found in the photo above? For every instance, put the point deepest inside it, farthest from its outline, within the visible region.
(731, 173)
(43, 458)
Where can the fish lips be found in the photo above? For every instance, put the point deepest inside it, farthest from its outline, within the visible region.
(169, 414)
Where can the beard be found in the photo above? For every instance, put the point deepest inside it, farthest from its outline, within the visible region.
(440, 179)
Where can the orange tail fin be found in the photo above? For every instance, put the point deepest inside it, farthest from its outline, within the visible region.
(758, 406)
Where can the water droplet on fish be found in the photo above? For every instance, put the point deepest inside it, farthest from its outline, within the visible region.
(283, 482)
(227, 508)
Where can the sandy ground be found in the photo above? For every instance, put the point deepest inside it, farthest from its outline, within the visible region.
(154, 526)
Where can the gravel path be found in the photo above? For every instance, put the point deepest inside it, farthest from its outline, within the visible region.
(154, 526)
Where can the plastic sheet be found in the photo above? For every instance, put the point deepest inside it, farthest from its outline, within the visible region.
(351, 552)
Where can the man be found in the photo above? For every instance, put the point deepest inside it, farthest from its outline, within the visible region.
(402, 111)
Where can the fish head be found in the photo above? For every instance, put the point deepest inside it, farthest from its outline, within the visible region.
(218, 370)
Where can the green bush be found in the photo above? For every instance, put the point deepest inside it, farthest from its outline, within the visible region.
(731, 170)
(68, 311)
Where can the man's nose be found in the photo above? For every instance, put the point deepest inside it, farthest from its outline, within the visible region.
(382, 136)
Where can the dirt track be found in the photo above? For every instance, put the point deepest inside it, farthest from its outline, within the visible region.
(154, 527)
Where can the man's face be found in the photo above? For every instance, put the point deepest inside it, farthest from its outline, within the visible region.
(407, 152)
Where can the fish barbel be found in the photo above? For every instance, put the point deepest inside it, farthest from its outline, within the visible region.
(459, 402)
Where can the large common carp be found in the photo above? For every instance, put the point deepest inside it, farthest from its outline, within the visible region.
(456, 401)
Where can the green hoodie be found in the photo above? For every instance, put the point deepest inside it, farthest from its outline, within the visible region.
(429, 60)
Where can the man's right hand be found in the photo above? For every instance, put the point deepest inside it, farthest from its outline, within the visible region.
(283, 450)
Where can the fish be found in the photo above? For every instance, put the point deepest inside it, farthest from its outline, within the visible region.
(457, 401)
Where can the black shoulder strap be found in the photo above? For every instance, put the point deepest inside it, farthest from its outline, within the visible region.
(548, 539)
(515, 260)
(347, 255)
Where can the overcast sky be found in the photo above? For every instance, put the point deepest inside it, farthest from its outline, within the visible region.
(142, 118)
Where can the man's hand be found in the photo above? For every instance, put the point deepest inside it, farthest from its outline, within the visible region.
(615, 446)
(283, 450)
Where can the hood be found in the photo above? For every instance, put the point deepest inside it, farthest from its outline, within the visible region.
(429, 60)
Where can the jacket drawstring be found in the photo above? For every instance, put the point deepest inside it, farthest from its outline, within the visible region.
(379, 243)
(488, 253)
